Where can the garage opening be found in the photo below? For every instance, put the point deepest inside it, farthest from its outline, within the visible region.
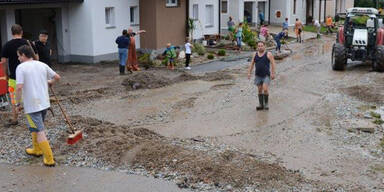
(35, 20)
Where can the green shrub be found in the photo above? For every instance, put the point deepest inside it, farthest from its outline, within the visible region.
(221, 52)
(210, 56)
(199, 48)
(164, 62)
(145, 60)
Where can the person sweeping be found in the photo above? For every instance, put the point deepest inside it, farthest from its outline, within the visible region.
(32, 80)
(264, 73)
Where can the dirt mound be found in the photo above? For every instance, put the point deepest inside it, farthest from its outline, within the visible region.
(374, 94)
(146, 80)
(121, 146)
(153, 80)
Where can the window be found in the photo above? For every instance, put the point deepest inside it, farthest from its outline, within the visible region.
(171, 3)
(294, 7)
(195, 12)
(224, 7)
(209, 13)
(134, 15)
(110, 16)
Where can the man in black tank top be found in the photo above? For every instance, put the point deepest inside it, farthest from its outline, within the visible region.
(264, 73)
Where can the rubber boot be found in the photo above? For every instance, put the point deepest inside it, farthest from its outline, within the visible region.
(266, 107)
(122, 70)
(261, 102)
(35, 150)
(47, 152)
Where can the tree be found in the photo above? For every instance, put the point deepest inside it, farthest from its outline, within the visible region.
(365, 3)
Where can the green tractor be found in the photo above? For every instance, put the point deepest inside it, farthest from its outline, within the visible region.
(359, 39)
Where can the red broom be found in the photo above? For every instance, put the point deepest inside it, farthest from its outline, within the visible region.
(75, 135)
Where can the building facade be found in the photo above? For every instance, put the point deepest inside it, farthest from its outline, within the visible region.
(206, 16)
(244, 10)
(80, 31)
(306, 10)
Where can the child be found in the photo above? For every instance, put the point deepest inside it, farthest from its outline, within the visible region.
(188, 52)
(239, 36)
(170, 54)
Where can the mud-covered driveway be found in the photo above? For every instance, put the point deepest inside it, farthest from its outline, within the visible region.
(203, 129)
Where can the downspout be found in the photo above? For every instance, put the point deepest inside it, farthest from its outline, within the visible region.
(187, 19)
(325, 10)
(269, 12)
(319, 11)
(220, 16)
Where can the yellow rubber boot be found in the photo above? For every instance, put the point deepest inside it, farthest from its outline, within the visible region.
(35, 150)
(47, 152)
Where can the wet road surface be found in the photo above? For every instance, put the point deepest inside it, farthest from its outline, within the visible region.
(64, 179)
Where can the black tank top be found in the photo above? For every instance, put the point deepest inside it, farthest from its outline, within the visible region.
(262, 65)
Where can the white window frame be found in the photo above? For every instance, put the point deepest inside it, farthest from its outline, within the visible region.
(135, 16)
(110, 17)
(209, 15)
(195, 17)
(168, 3)
(221, 11)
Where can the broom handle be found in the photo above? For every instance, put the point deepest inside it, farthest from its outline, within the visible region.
(62, 110)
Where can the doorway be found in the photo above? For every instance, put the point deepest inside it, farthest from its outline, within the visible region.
(248, 12)
(35, 20)
(309, 11)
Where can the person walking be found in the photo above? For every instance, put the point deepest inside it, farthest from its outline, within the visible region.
(285, 24)
(122, 45)
(317, 25)
(261, 17)
(329, 24)
(188, 52)
(298, 30)
(9, 55)
(239, 36)
(32, 81)
(44, 48)
(231, 24)
(264, 63)
(278, 37)
(132, 63)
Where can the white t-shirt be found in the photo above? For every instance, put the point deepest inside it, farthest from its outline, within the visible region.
(317, 24)
(188, 48)
(34, 75)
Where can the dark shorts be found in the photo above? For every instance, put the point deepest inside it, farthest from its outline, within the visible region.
(262, 80)
(35, 121)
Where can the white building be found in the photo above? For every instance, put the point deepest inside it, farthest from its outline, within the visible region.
(80, 30)
(243, 10)
(306, 10)
(206, 17)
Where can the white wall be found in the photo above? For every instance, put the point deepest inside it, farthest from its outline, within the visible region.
(201, 28)
(300, 12)
(104, 37)
(283, 7)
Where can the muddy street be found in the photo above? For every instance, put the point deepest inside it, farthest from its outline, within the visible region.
(200, 129)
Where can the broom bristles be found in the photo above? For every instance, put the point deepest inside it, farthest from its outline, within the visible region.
(73, 138)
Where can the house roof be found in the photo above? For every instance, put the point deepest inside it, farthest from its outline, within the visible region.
(37, 1)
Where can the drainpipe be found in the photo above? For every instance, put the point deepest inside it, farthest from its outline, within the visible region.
(187, 18)
(319, 11)
(220, 16)
(313, 10)
(269, 12)
(325, 10)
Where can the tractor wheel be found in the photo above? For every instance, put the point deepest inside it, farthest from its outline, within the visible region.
(339, 57)
(379, 59)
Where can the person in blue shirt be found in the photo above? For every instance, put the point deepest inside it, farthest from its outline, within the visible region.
(239, 36)
(261, 17)
(285, 24)
(122, 45)
(278, 38)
